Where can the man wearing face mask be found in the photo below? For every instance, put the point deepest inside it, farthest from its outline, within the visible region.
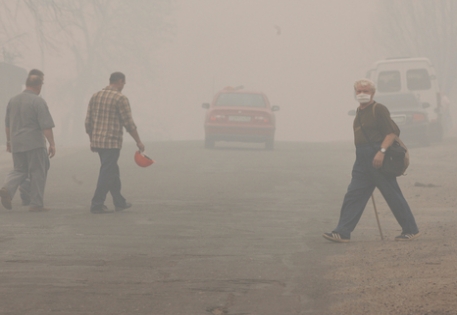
(371, 142)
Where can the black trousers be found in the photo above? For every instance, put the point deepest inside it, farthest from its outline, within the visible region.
(109, 179)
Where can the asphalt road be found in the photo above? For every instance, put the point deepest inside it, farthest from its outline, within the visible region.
(234, 230)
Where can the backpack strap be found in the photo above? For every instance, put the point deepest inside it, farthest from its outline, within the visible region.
(374, 113)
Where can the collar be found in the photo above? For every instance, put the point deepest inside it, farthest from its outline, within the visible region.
(111, 88)
(29, 91)
(371, 104)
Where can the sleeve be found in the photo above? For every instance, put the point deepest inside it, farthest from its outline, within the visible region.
(44, 116)
(385, 123)
(7, 116)
(88, 122)
(126, 114)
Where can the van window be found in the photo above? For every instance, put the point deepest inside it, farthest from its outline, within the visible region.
(418, 79)
(389, 81)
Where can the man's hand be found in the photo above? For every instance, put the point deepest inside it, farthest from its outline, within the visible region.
(386, 143)
(136, 137)
(51, 151)
(50, 137)
(378, 159)
(140, 146)
(8, 147)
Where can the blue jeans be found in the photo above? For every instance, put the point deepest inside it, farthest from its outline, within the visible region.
(109, 179)
(365, 178)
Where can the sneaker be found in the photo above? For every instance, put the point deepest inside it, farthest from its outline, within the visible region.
(6, 198)
(126, 206)
(335, 237)
(38, 209)
(407, 237)
(102, 210)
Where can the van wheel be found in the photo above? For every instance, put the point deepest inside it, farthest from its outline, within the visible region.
(439, 132)
(209, 144)
(270, 145)
(425, 140)
(436, 132)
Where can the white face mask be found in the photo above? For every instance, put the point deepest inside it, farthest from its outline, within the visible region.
(363, 98)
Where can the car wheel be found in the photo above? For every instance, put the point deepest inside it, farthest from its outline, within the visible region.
(209, 144)
(270, 144)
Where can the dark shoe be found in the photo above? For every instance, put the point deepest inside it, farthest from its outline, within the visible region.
(102, 210)
(407, 237)
(38, 209)
(6, 198)
(335, 237)
(126, 206)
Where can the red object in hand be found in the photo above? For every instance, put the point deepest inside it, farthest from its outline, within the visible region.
(142, 159)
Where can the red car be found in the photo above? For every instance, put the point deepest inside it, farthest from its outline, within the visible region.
(239, 115)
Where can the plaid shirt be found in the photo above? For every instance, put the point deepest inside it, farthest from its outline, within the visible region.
(108, 111)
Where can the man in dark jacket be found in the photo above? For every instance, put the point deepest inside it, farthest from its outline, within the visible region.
(374, 133)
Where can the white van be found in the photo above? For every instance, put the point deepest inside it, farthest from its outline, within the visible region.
(411, 75)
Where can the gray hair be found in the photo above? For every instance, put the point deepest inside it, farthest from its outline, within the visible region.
(364, 83)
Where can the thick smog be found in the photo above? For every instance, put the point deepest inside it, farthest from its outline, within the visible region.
(227, 157)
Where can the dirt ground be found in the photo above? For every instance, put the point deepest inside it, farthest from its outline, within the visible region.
(235, 230)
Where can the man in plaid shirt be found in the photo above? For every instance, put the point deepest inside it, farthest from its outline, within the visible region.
(107, 114)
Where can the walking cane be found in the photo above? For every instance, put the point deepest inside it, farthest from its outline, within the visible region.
(377, 218)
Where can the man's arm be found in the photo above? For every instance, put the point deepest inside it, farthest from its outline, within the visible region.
(382, 115)
(386, 143)
(8, 141)
(127, 121)
(50, 137)
(136, 137)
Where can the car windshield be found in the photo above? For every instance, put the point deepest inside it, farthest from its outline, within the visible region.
(398, 101)
(240, 99)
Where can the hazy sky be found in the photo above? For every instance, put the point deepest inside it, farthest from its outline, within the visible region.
(304, 55)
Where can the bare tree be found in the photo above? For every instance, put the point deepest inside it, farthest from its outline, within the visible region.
(422, 28)
(93, 34)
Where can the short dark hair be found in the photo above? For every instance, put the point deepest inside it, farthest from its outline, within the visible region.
(116, 76)
(36, 72)
(34, 80)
